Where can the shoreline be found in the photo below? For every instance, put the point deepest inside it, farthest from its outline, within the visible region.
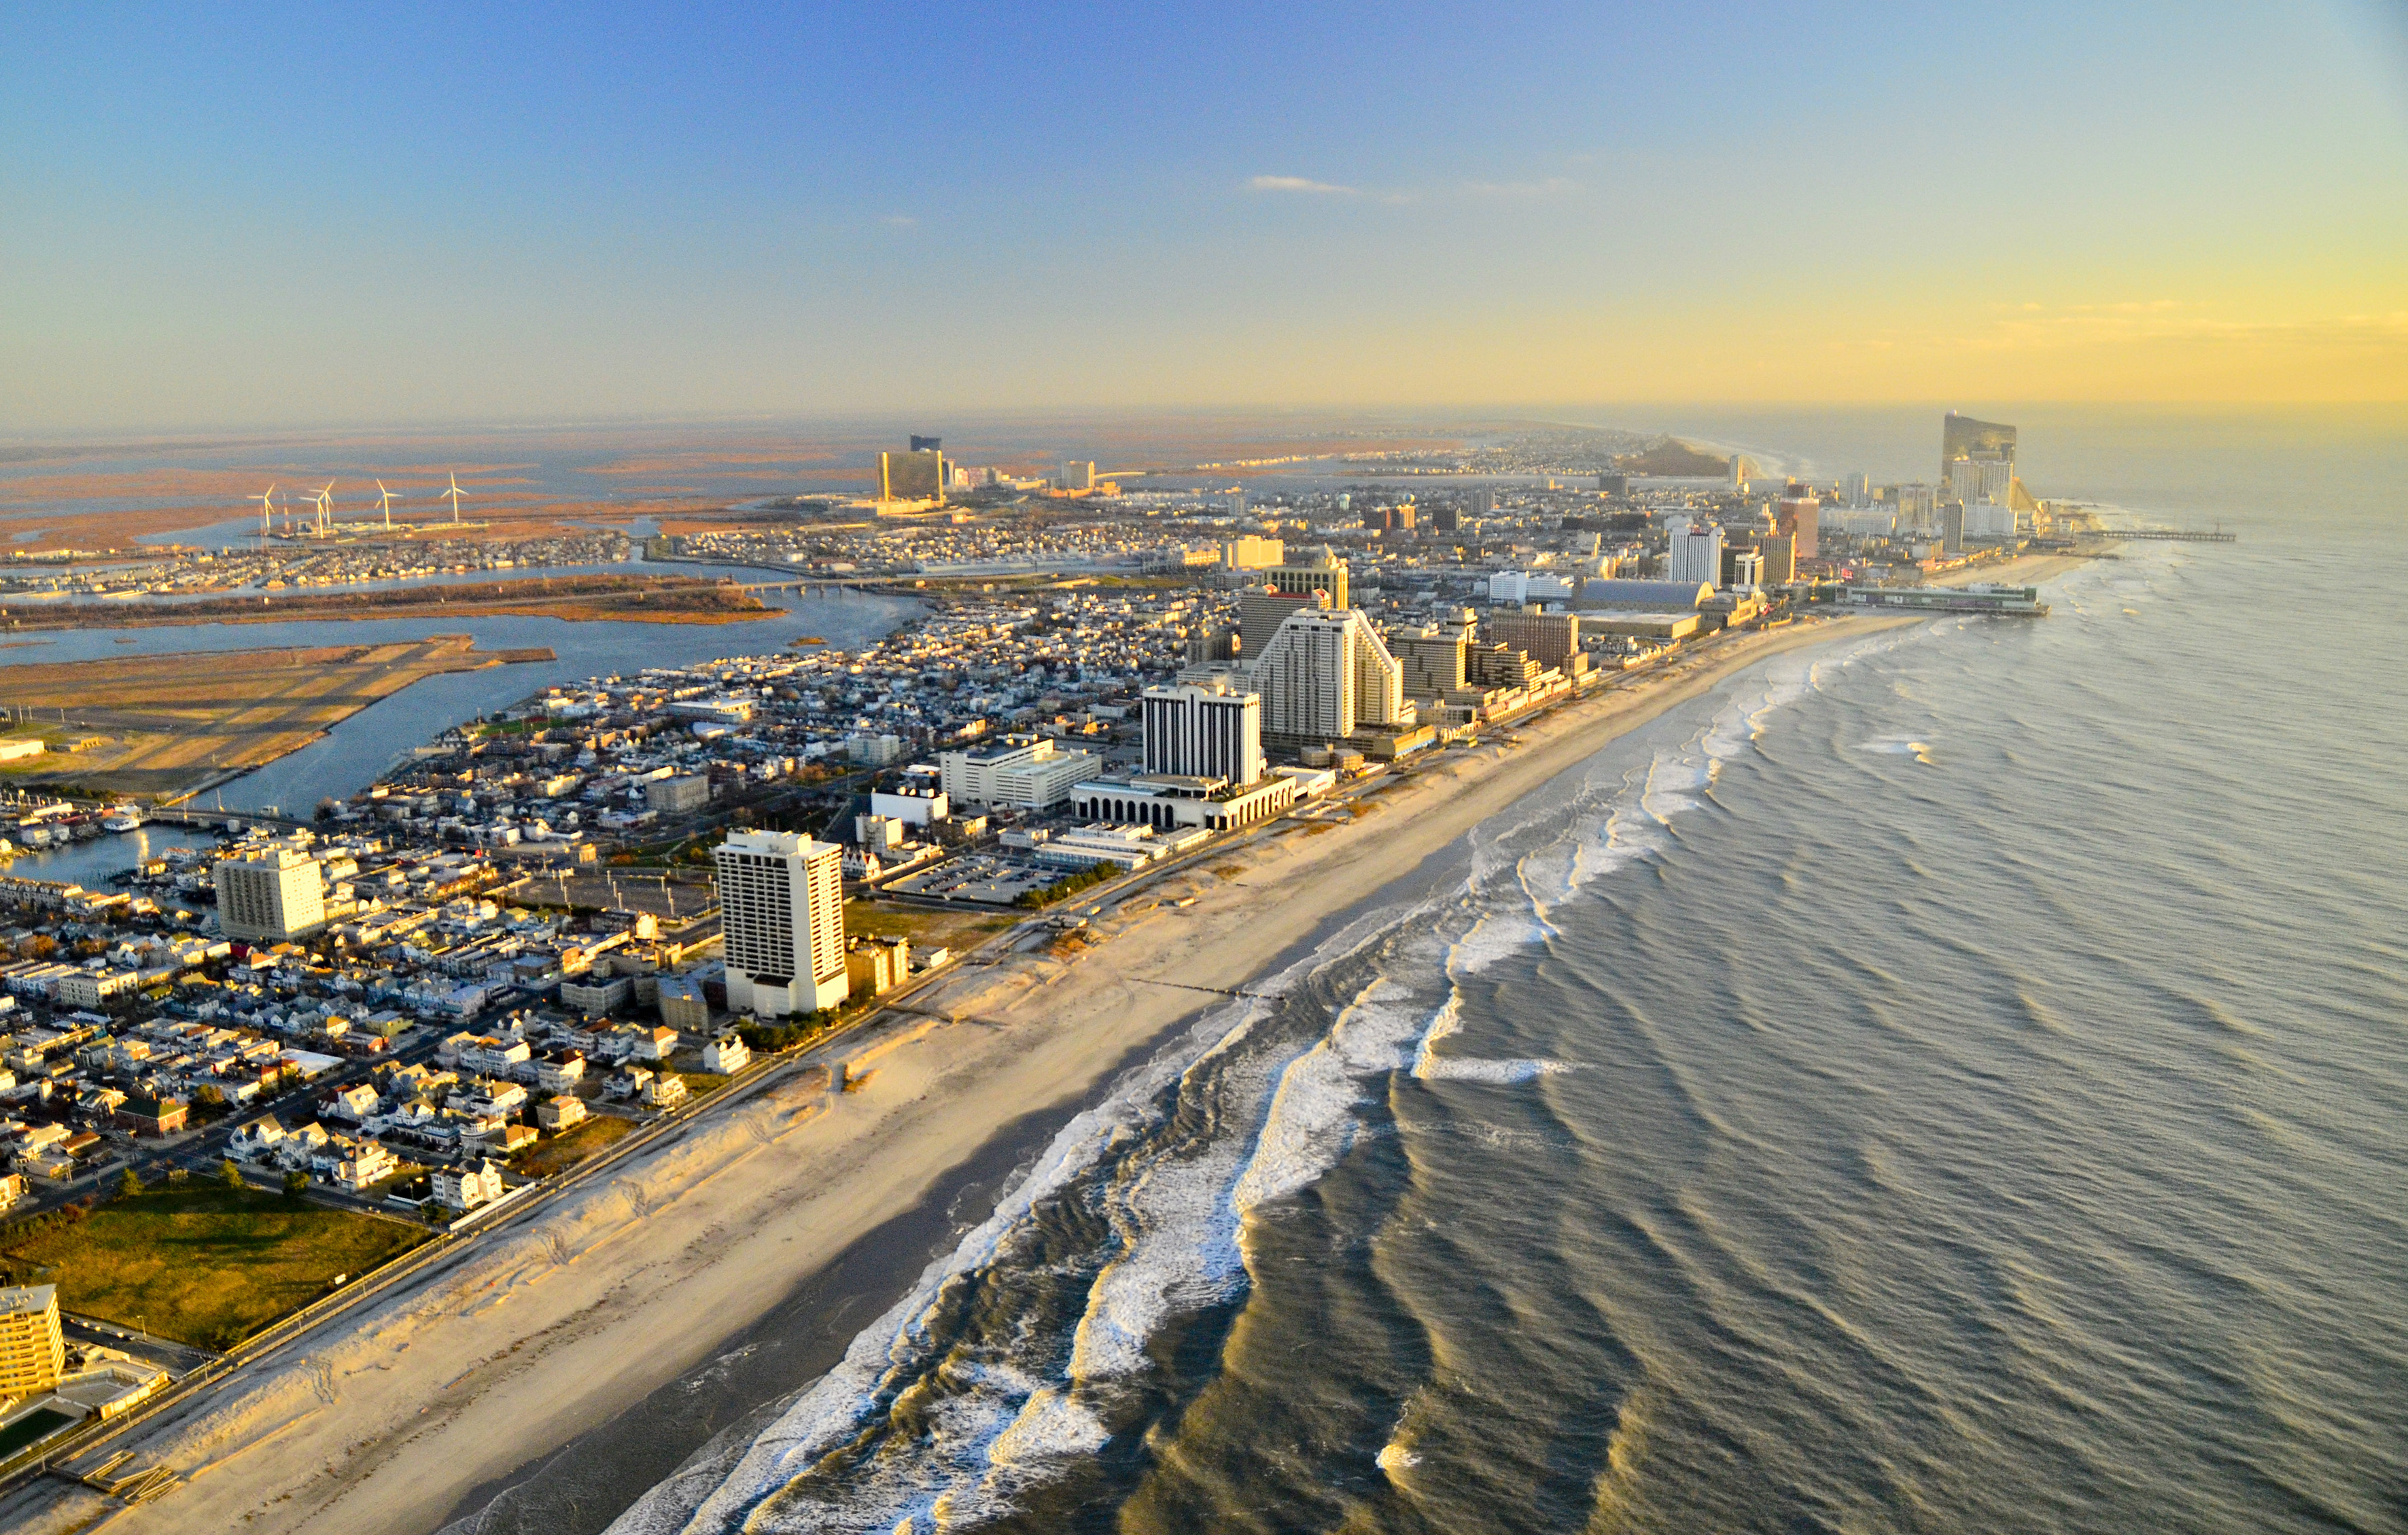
(504, 1359)
(477, 1379)
(912, 1239)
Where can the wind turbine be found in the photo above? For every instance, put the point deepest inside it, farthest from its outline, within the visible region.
(454, 495)
(264, 498)
(384, 501)
(325, 499)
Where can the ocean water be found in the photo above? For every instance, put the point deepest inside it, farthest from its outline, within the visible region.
(1953, 1078)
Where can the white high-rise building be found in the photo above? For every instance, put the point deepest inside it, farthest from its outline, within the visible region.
(270, 897)
(1325, 674)
(1695, 554)
(1205, 730)
(781, 911)
(1978, 481)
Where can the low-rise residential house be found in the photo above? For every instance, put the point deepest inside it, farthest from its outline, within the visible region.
(355, 1103)
(666, 1091)
(491, 1097)
(478, 1123)
(494, 1057)
(299, 1148)
(726, 1056)
(630, 1082)
(38, 1141)
(511, 1139)
(560, 1113)
(464, 1188)
(560, 1074)
(369, 1164)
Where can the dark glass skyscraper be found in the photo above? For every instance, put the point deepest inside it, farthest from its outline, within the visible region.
(1962, 437)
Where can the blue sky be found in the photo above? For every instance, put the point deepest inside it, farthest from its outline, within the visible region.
(269, 217)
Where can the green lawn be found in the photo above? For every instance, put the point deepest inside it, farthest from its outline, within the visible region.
(926, 929)
(35, 1425)
(555, 1154)
(203, 1265)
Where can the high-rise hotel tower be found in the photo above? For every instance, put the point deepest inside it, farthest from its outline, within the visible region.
(782, 910)
(1198, 731)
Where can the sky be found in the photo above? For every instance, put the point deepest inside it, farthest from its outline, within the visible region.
(331, 215)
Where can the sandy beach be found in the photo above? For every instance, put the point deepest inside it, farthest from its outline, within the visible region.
(552, 1327)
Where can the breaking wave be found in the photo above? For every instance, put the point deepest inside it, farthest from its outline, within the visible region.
(1023, 1352)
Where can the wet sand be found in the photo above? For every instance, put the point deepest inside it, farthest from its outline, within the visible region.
(461, 1383)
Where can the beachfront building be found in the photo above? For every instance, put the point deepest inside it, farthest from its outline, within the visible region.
(1549, 638)
(270, 897)
(1018, 773)
(1165, 801)
(1204, 730)
(466, 1187)
(781, 912)
(32, 1351)
(1261, 610)
(875, 966)
(1325, 673)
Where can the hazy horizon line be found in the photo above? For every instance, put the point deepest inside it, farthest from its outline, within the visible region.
(1529, 413)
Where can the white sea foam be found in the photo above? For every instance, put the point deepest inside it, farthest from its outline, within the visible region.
(1497, 935)
(959, 1466)
(1179, 1220)
(1469, 1068)
(1899, 746)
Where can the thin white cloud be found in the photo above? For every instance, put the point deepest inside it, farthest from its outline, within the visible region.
(1298, 183)
(1552, 187)
(900, 221)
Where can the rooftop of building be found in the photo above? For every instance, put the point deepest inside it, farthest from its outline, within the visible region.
(18, 1300)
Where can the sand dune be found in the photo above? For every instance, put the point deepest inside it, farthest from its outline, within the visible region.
(553, 1329)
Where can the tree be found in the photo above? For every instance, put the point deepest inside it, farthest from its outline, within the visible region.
(129, 1183)
(297, 1183)
(230, 1175)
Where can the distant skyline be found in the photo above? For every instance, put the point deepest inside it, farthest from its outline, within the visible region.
(266, 219)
